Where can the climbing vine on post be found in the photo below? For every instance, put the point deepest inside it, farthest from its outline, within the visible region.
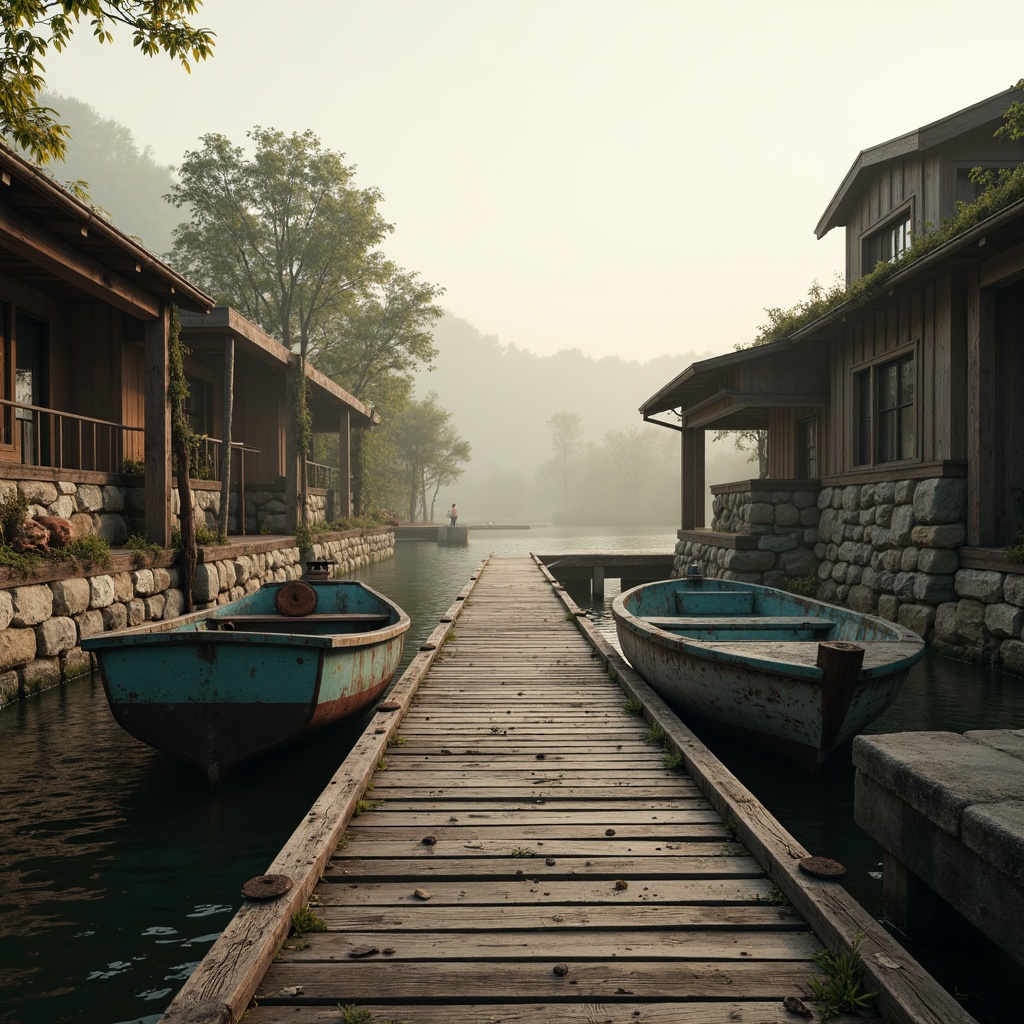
(182, 440)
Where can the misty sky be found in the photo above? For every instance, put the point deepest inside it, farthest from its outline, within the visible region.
(632, 177)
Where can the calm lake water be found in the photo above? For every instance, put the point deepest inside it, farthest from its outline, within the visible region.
(119, 867)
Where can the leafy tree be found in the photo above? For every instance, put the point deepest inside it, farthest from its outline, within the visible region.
(386, 332)
(31, 27)
(567, 442)
(429, 453)
(284, 236)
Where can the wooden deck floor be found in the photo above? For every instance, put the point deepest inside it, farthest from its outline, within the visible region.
(530, 857)
(533, 859)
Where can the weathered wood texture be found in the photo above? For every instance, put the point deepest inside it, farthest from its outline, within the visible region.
(533, 858)
(222, 986)
(906, 993)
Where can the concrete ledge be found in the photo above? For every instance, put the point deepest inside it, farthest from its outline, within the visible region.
(949, 811)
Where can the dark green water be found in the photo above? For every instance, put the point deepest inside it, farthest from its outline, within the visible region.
(118, 867)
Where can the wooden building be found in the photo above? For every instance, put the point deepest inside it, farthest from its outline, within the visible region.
(84, 326)
(264, 372)
(895, 422)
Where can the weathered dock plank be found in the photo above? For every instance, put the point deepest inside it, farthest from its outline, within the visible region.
(458, 885)
(520, 853)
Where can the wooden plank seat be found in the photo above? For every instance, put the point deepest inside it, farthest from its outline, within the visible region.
(675, 623)
(368, 618)
(714, 602)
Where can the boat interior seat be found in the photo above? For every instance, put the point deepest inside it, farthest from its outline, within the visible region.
(367, 618)
(714, 602)
(761, 623)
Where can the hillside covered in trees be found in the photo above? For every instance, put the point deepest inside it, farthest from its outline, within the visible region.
(502, 398)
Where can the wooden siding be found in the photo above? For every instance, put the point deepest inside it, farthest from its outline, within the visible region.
(784, 436)
(931, 323)
(925, 180)
(259, 422)
(1007, 411)
(133, 398)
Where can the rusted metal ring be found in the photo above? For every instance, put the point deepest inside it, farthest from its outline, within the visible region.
(821, 867)
(295, 598)
(266, 887)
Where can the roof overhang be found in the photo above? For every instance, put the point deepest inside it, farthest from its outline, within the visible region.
(52, 241)
(205, 336)
(987, 112)
(995, 247)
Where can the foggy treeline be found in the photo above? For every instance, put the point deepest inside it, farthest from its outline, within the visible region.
(501, 397)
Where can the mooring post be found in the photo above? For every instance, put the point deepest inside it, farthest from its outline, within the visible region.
(597, 587)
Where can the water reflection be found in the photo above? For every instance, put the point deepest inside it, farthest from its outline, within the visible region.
(120, 866)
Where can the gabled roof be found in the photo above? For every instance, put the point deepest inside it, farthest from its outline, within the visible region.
(52, 241)
(989, 111)
(996, 244)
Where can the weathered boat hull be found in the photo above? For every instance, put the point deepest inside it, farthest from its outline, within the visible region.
(758, 674)
(216, 696)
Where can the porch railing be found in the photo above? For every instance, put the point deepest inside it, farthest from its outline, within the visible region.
(326, 478)
(64, 440)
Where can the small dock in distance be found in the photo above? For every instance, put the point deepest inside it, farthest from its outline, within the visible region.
(631, 568)
(506, 843)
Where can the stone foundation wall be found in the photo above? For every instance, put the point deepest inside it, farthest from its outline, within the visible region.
(42, 623)
(893, 549)
(116, 511)
(780, 521)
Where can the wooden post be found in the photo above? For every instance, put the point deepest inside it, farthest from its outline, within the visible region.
(597, 586)
(692, 477)
(292, 489)
(344, 496)
(157, 437)
(981, 377)
(840, 663)
(225, 451)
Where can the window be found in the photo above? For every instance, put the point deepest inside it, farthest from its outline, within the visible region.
(888, 244)
(883, 399)
(31, 389)
(807, 456)
(896, 410)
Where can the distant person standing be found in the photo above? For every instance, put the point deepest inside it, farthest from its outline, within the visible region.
(453, 515)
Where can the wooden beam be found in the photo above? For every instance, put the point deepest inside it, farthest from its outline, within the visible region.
(1003, 269)
(157, 419)
(981, 441)
(21, 236)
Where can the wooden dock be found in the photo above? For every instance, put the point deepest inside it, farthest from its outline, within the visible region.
(522, 847)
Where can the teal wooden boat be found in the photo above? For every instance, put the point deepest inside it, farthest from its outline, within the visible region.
(219, 687)
(797, 676)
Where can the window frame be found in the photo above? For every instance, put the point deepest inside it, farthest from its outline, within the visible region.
(808, 454)
(901, 216)
(865, 388)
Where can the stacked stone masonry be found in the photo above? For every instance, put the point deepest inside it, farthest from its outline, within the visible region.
(42, 624)
(115, 512)
(889, 549)
(784, 522)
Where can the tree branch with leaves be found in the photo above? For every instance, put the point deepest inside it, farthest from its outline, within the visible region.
(31, 28)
